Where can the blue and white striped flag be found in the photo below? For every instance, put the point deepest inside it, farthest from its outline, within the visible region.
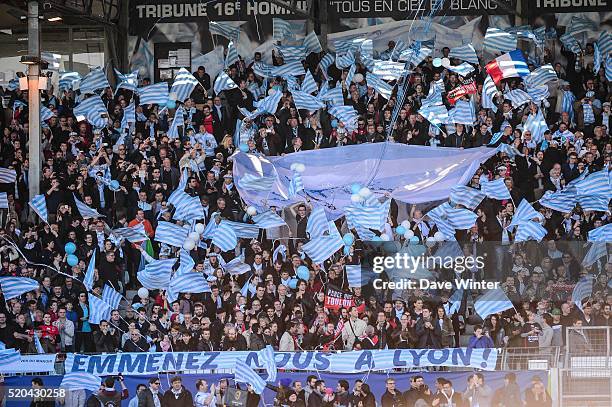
(536, 124)
(293, 68)
(93, 110)
(570, 43)
(580, 24)
(81, 381)
(225, 237)
(252, 182)
(85, 211)
(232, 55)
(177, 121)
(45, 113)
(370, 217)
(317, 224)
(434, 97)
(156, 274)
(7, 175)
(127, 81)
(349, 75)
(345, 60)
(189, 208)
(292, 52)
(462, 113)
(322, 248)
(601, 234)
(343, 46)
(170, 234)
(517, 97)
(4, 200)
(596, 252)
(236, 267)
(388, 70)
(306, 101)
(465, 53)
(156, 93)
(53, 59)
(244, 374)
(13, 85)
(333, 95)
(596, 183)
(38, 345)
(88, 280)
(184, 83)
(459, 218)
(296, 184)
(353, 275)
(596, 59)
(492, 302)
(455, 301)
(497, 39)
(435, 114)
(132, 234)
(609, 68)
(538, 93)
(186, 263)
(39, 205)
(594, 202)
(326, 62)
(281, 29)
(583, 289)
(311, 43)
(13, 287)
(496, 189)
(194, 283)
(266, 356)
(111, 297)
(415, 57)
(464, 69)
(604, 43)
(466, 196)
(562, 201)
(94, 80)
(308, 84)
(224, 82)
(269, 104)
(541, 76)
(129, 116)
(9, 357)
(268, 219)
(224, 29)
(525, 213)
(346, 114)
(379, 85)
(530, 231)
(67, 80)
(98, 309)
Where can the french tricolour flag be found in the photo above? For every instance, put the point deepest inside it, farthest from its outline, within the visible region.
(509, 65)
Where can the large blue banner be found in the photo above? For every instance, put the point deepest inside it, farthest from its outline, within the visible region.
(346, 362)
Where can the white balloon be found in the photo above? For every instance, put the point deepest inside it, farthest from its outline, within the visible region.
(445, 62)
(357, 78)
(439, 236)
(385, 237)
(430, 242)
(365, 192)
(199, 228)
(406, 224)
(299, 167)
(195, 236)
(143, 292)
(251, 211)
(356, 198)
(189, 245)
(409, 233)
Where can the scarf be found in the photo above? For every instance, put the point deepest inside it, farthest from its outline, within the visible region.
(589, 116)
(567, 104)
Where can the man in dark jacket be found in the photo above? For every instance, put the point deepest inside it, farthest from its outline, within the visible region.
(392, 397)
(428, 331)
(104, 340)
(178, 395)
(136, 343)
(147, 397)
(315, 399)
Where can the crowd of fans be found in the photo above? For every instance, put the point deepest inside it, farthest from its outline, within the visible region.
(539, 277)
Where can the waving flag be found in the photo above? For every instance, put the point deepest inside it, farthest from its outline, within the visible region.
(492, 302)
(538, 93)
(236, 267)
(81, 381)
(322, 248)
(379, 85)
(326, 62)
(129, 116)
(223, 82)
(292, 52)
(269, 104)
(466, 196)
(244, 374)
(312, 43)
(596, 183)
(308, 84)
(88, 281)
(435, 114)
(39, 205)
(541, 76)
(579, 24)
(98, 309)
(292, 68)
(496, 189)
(184, 83)
(232, 55)
(509, 65)
(127, 81)
(177, 121)
(333, 95)
(464, 69)
(85, 211)
(7, 175)
(345, 60)
(465, 53)
(349, 75)
(193, 282)
(170, 234)
(132, 234)
(111, 297)
(525, 213)
(224, 29)
(45, 113)
(582, 290)
(268, 219)
(317, 224)
(93, 110)
(570, 43)
(13, 287)
(156, 274)
(489, 90)
(67, 80)
(530, 231)
(562, 201)
(296, 184)
(517, 97)
(266, 356)
(305, 101)
(415, 56)
(463, 113)
(4, 200)
(346, 114)
(225, 237)
(156, 93)
(594, 202)
(536, 124)
(497, 39)
(604, 43)
(94, 80)
(281, 29)
(9, 357)
(601, 234)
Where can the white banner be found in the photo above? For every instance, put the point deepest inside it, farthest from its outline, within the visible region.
(31, 364)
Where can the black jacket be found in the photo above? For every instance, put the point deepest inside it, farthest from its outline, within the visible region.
(185, 399)
(145, 399)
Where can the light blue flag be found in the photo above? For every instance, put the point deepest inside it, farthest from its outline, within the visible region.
(9, 357)
(45, 113)
(306, 101)
(596, 183)
(580, 24)
(243, 230)
(39, 205)
(538, 94)
(346, 114)
(127, 81)
(489, 90)
(455, 301)
(224, 29)
(464, 69)
(458, 218)
(583, 289)
(317, 224)
(536, 124)
(492, 302)
(281, 29)
(293, 68)
(193, 282)
(415, 56)
(93, 81)
(562, 201)
(132, 234)
(594, 202)
(13, 287)
(177, 121)
(379, 85)
(296, 184)
(292, 52)
(268, 219)
(312, 43)
(596, 59)
(349, 75)
(462, 113)
(38, 345)
(601, 234)
(244, 374)
(2, 346)
(466, 196)
(496, 189)
(596, 252)
(186, 263)
(156, 274)
(266, 356)
(269, 104)
(170, 234)
(180, 189)
(326, 62)
(604, 43)
(80, 381)
(570, 43)
(345, 60)
(322, 248)
(85, 211)
(68, 79)
(353, 275)
(308, 84)
(370, 217)
(225, 237)
(111, 297)
(435, 114)
(184, 83)
(434, 97)
(252, 182)
(236, 267)
(333, 95)
(465, 53)
(129, 117)
(155, 94)
(93, 110)
(188, 208)
(4, 200)
(232, 55)
(541, 76)
(518, 97)
(88, 280)
(530, 231)
(609, 68)
(525, 213)
(497, 39)
(223, 82)
(98, 309)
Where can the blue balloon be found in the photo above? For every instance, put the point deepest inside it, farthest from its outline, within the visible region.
(334, 123)
(303, 273)
(114, 185)
(400, 230)
(348, 239)
(243, 147)
(293, 283)
(70, 248)
(72, 260)
(171, 104)
(355, 188)
(414, 240)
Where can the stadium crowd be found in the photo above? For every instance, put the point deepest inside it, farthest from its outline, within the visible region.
(537, 277)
